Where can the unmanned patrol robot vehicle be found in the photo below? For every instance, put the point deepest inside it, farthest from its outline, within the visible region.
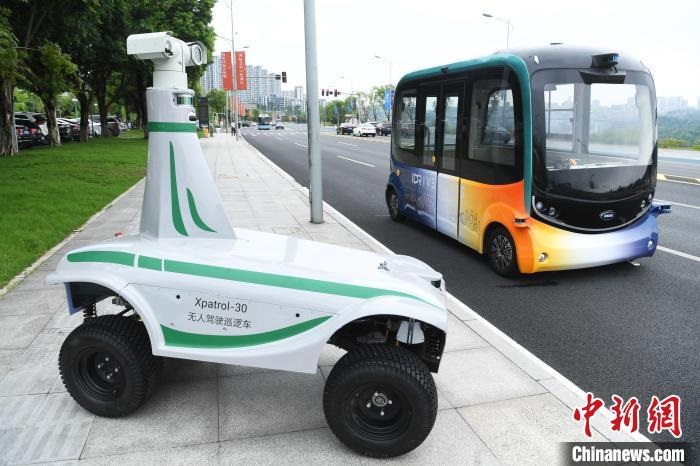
(192, 287)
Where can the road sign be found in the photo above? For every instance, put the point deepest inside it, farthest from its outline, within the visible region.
(388, 99)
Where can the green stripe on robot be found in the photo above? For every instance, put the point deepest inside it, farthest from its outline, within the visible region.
(174, 199)
(165, 127)
(110, 257)
(280, 281)
(239, 275)
(196, 340)
(195, 215)
(152, 263)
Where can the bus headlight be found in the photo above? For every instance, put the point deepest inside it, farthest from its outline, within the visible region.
(539, 205)
(552, 211)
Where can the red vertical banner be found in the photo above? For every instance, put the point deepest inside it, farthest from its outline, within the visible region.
(226, 71)
(241, 78)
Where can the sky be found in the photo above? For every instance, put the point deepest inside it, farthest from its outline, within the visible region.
(418, 34)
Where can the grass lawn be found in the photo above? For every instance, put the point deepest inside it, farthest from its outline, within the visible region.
(47, 193)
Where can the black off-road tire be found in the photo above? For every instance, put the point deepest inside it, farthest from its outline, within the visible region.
(394, 205)
(107, 365)
(501, 252)
(380, 400)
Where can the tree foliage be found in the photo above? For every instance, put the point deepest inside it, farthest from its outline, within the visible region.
(79, 46)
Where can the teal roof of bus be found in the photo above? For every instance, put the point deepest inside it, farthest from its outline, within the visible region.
(551, 56)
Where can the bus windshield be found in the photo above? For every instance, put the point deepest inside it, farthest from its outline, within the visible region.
(264, 120)
(592, 137)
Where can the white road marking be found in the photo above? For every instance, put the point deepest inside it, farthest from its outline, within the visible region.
(279, 139)
(302, 145)
(348, 144)
(356, 161)
(678, 203)
(679, 253)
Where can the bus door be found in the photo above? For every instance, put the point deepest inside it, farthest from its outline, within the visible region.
(424, 177)
(451, 107)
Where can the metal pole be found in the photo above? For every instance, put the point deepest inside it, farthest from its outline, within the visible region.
(235, 84)
(508, 35)
(313, 119)
(228, 120)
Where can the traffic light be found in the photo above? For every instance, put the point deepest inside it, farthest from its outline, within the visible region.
(284, 76)
(323, 92)
(335, 92)
(278, 77)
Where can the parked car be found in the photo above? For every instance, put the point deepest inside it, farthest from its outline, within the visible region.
(112, 125)
(74, 125)
(383, 129)
(24, 137)
(279, 124)
(35, 132)
(365, 129)
(64, 130)
(345, 128)
(95, 126)
(37, 118)
(245, 124)
(496, 135)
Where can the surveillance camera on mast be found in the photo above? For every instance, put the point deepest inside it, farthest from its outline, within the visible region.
(170, 56)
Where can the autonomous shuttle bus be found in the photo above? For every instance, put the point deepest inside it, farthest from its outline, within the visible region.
(542, 159)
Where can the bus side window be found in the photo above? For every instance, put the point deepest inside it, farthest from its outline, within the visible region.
(404, 134)
(491, 156)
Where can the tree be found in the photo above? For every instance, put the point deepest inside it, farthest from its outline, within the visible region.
(9, 67)
(217, 100)
(38, 27)
(48, 72)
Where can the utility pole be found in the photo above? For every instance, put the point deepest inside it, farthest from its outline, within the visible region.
(313, 120)
(234, 104)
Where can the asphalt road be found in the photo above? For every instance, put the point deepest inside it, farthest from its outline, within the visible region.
(625, 329)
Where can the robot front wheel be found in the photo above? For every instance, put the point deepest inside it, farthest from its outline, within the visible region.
(107, 365)
(380, 400)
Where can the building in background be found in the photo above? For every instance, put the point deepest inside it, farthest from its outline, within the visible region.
(211, 79)
(264, 91)
(671, 104)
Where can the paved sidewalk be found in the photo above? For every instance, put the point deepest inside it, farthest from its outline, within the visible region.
(497, 403)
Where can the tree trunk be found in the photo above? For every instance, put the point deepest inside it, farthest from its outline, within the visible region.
(100, 88)
(85, 126)
(51, 123)
(8, 133)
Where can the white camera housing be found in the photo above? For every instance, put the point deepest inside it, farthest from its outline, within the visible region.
(170, 57)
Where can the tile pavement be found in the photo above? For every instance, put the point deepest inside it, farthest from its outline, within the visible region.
(497, 404)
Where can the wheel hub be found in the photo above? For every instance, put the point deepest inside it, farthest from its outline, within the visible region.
(502, 251)
(107, 368)
(380, 400)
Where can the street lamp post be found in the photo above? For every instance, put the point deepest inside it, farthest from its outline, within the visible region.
(351, 90)
(507, 23)
(75, 106)
(391, 84)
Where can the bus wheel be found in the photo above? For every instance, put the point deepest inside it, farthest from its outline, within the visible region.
(392, 200)
(501, 252)
(380, 400)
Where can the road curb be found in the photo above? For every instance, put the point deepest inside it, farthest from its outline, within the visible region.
(567, 392)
